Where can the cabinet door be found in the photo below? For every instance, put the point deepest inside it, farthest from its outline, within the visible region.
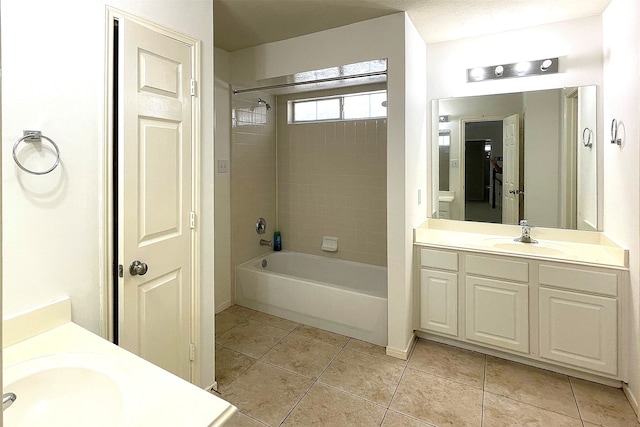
(439, 302)
(497, 313)
(579, 329)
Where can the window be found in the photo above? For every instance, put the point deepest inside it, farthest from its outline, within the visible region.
(347, 107)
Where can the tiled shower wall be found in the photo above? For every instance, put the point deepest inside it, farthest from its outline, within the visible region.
(253, 175)
(332, 180)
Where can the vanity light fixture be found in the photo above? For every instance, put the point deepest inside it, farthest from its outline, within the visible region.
(517, 69)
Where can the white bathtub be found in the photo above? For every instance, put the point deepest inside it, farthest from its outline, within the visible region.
(344, 297)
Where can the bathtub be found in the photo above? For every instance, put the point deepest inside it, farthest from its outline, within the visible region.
(344, 297)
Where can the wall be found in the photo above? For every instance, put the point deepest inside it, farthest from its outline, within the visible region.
(332, 181)
(253, 176)
(53, 231)
(578, 43)
(391, 37)
(222, 192)
(621, 27)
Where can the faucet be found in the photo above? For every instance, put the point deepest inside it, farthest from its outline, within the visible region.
(525, 237)
(8, 399)
(265, 242)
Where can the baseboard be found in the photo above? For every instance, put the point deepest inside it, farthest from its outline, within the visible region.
(631, 398)
(213, 388)
(223, 306)
(403, 354)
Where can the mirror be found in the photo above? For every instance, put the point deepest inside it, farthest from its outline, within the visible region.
(528, 155)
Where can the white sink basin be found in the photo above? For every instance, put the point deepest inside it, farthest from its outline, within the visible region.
(70, 389)
(541, 248)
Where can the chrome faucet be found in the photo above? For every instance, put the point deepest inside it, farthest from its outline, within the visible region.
(525, 237)
(265, 242)
(8, 399)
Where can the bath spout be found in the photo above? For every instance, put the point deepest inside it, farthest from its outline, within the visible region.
(266, 242)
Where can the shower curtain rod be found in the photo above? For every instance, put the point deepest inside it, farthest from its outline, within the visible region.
(328, 79)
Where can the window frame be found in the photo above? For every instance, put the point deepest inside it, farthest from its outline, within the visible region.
(292, 104)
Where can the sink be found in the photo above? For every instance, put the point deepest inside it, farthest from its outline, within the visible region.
(70, 389)
(540, 248)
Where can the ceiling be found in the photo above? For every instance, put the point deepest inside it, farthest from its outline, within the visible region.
(239, 24)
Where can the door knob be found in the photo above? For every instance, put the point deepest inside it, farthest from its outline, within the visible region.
(138, 268)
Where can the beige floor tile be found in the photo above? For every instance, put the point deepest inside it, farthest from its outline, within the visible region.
(396, 419)
(603, 405)
(252, 338)
(500, 411)
(372, 350)
(370, 377)
(266, 393)
(321, 335)
(225, 321)
(302, 355)
(241, 420)
(537, 387)
(240, 311)
(229, 365)
(278, 322)
(437, 400)
(449, 362)
(326, 406)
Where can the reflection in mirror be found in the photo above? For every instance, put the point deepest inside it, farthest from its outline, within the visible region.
(503, 158)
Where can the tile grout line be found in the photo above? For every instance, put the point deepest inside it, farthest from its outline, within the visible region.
(314, 382)
(484, 386)
(575, 399)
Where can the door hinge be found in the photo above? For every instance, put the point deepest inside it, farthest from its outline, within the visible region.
(192, 220)
(192, 352)
(193, 87)
(120, 270)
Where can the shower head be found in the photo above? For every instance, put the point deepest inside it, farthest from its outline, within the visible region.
(263, 102)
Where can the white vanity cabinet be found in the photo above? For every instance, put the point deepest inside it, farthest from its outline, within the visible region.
(438, 292)
(578, 312)
(559, 313)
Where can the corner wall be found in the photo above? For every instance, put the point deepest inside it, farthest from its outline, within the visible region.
(621, 28)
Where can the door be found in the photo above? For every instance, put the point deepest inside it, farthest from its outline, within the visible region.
(511, 170)
(439, 302)
(498, 313)
(155, 197)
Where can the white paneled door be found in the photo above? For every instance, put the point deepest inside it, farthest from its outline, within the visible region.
(155, 197)
(511, 170)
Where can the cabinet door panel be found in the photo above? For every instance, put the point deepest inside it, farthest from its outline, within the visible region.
(439, 302)
(579, 329)
(497, 313)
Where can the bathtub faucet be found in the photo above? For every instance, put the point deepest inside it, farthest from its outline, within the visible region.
(265, 242)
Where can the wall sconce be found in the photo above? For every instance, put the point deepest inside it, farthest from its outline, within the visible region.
(614, 132)
(517, 69)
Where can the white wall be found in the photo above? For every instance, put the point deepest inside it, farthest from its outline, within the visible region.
(222, 261)
(54, 81)
(621, 27)
(392, 37)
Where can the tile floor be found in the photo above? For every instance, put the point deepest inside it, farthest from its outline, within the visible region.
(279, 372)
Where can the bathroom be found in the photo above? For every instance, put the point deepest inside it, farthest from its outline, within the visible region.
(53, 231)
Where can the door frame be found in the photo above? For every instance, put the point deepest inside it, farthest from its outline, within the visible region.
(108, 232)
(462, 154)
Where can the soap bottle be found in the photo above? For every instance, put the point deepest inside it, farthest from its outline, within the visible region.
(277, 241)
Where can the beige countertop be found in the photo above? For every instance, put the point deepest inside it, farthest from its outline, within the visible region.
(584, 247)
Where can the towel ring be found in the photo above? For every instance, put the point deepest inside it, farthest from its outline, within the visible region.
(588, 142)
(35, 136)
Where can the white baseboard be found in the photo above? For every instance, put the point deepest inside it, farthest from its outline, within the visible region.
(402, 354)
(631, 398)
(223, 306)
(213, 388)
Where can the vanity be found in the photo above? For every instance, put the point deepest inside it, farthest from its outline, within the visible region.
(557, 304)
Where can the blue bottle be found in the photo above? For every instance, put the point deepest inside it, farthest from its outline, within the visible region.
(277, 241)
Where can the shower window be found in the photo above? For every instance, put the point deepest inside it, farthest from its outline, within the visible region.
(347, 107)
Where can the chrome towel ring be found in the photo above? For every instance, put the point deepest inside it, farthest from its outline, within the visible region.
(586, 137)
(35, 136)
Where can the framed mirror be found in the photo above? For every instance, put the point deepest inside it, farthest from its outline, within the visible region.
(528, 155)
